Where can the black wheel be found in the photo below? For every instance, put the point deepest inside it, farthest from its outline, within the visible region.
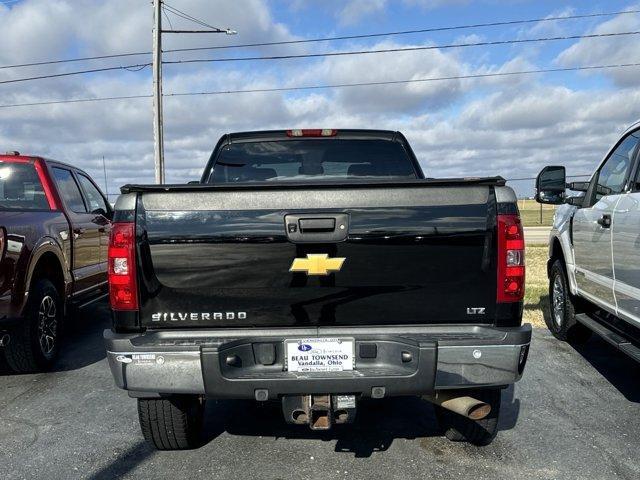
(477, 432)
(34, 343)
(562, 309)
(173, 423)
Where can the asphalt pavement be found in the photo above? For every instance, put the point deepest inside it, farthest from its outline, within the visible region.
(575, 415)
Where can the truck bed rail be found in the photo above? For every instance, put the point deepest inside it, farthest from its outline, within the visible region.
(427, 182)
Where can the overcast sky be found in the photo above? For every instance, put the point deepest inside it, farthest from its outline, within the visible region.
(509, 126)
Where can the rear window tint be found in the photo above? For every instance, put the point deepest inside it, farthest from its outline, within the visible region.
(20, 187)
(312, 160)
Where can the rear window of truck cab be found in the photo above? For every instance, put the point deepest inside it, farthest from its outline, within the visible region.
(20, 187)
(313, 160)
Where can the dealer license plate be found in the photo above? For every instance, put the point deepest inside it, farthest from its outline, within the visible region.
(319, 354)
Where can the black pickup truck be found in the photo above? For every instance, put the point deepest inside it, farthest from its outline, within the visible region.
(315, 268)
(54, 231)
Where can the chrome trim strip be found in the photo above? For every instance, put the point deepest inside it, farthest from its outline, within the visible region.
(93, 300)
(88, 289)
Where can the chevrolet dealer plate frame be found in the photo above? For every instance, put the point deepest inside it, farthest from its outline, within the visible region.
(310, 355)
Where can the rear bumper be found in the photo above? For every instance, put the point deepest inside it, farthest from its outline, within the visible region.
(197, 362)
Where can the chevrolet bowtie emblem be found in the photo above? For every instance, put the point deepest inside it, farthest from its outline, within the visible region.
(317, 264)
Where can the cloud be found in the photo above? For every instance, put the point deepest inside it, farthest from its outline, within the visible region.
(355, 10)
(607, 51)
(433, 4)
(503, 125)
(121, 131)
(549, 28)
(515, 132)
(94, 27)
(393, 66)
(51, 20)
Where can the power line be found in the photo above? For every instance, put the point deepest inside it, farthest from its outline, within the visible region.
(178, 13)
(186, 16)
(402, 32)
(79, 59)
(396, 82)
(77, 100)
(332, 86)
(132, 68)
(328, 39)
(140, 66)
(119, 55)
(166, 15)
(404, 49)
(181, 14)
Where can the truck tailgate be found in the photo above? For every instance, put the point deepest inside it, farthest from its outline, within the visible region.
(413, 254)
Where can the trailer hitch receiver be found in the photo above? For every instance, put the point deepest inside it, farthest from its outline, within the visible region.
(320, 412)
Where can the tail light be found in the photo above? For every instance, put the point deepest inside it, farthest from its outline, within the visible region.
(317, 132)
(510, 259)
(123, 288)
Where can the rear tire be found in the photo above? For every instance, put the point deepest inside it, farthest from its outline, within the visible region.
(477, 432)
(562, 309)
(34, 343)
(172, 423)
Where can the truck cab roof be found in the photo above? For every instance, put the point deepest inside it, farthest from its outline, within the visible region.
(18, 157)
(265, 135)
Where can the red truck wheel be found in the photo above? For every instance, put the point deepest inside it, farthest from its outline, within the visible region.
(34, 343)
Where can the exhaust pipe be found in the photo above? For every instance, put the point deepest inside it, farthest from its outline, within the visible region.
(4, 339)
(466, 406)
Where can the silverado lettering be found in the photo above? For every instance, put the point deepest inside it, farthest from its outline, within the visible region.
(179, 316)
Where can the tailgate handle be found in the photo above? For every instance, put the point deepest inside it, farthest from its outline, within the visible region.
(317, 225)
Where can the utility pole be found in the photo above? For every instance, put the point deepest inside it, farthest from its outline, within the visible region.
(158, 134)
(157, 91)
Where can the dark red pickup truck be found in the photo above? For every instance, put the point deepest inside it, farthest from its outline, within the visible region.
(54, 231)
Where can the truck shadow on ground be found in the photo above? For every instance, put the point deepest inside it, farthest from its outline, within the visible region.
(619, 370)
(378, 423)
(82, 344)
(126, 462)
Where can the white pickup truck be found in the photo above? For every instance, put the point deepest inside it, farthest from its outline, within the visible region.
(594, 249)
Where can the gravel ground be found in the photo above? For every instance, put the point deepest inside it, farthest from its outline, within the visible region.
(575, 415)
